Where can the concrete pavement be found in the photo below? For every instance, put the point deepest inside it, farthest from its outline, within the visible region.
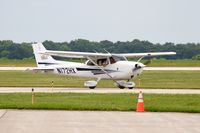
(98, 90)
(40, 121)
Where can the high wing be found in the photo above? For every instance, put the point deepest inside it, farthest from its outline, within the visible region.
(147, 54)
(40, 69)
(70, 54)
(102, 55)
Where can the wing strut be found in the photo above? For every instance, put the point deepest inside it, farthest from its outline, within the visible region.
(141, 58)
(102, 70)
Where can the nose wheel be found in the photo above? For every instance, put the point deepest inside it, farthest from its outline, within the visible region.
(91, 84)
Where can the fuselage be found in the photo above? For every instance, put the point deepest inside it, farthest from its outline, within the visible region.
(120, 70)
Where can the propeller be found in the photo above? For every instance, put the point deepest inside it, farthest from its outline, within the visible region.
(138, 66)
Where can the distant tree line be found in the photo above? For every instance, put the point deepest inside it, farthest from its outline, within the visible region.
(12, 50)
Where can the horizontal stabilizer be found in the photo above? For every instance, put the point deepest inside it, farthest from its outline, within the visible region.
(41, 69)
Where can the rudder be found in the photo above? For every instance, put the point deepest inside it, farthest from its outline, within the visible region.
(40, 57)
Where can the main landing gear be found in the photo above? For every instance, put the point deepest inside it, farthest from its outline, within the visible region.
(92, 87)
(121, 84)
(122, 87)
(91, 84)
(124, 84)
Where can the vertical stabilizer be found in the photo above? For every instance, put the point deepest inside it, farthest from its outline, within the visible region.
(41, 58)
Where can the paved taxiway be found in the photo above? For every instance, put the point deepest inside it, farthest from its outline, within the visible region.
(98, 90)
(35, 121)
(146, 68)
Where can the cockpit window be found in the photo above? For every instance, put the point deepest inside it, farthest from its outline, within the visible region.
(119, 58)
(115, 58)
(102, 62)
(112, 60)
(105, 61)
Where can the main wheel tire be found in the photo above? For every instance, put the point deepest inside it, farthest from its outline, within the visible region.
(130, 87)
(121, 87)
(92, 87)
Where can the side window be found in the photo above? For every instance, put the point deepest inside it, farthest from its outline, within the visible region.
(102, 62)
(89, 63)
(112, 60)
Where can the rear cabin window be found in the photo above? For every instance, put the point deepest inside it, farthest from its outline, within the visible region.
(105, 61)
(89, 63)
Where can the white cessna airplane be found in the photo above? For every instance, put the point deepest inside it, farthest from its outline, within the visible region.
(98, 65)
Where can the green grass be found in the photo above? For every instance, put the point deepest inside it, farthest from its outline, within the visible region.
(149, 79)
(25, 79)
(17, 63)
(108, 102)
(174, 63)
(170, 79)
(155, 63)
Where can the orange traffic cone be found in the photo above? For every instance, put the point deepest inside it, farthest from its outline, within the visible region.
(140, 103)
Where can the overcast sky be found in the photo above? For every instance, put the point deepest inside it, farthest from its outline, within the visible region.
(158, 21)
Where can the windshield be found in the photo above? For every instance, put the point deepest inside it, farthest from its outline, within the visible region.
(115, 58)
(105, 61)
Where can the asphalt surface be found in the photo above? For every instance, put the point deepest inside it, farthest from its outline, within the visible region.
(146, 68)
(98, 90)
(34, 121)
